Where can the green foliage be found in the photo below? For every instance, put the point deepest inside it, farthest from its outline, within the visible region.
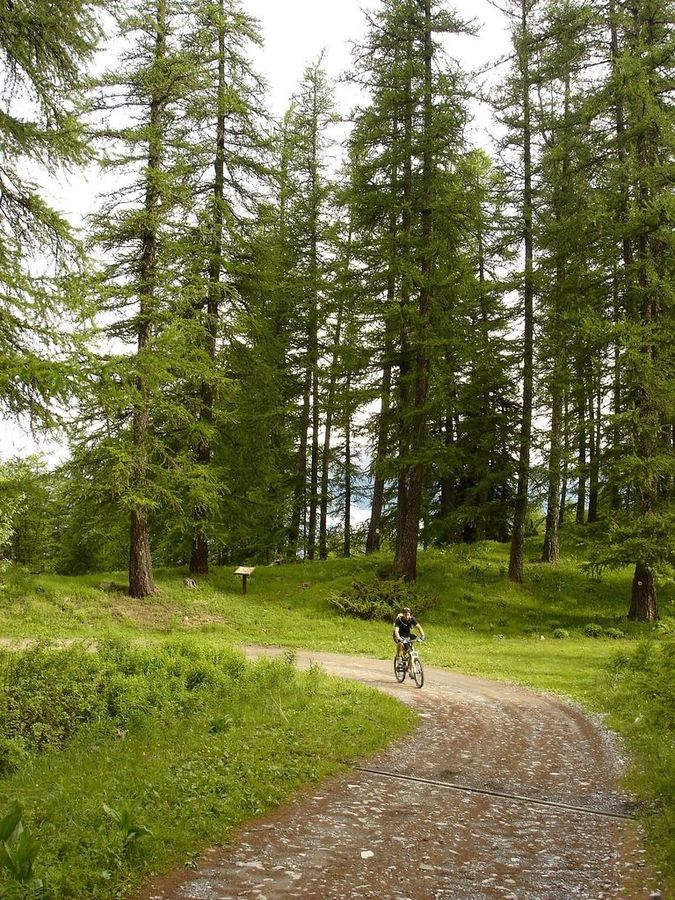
(592, 630)
(381, 599)
(218, 741)
(130, 829)
(18, 850)
(47, 695)
(639, 694)
(615, 634)
(28, 512)
(44, 48)
(561, 634)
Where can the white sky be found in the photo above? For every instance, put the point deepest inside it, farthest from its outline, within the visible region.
(295, 32)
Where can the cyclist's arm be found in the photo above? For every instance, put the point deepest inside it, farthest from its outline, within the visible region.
(421, 631)
(396, 634)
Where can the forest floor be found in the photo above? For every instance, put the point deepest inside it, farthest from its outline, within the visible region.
(562, 631)
(371, 834)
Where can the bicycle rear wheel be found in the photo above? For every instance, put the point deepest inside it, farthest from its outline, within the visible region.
(418, 673)
(399, 669)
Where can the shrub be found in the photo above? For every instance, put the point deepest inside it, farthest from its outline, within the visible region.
(380, 599)
(46, 696)
(616, 634)
(561, 634)
(593, 631)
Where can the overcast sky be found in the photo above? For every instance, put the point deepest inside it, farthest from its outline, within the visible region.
(295, 32)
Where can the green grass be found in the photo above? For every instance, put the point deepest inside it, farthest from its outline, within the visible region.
(639, 694)
(177, 740)
(479, 623)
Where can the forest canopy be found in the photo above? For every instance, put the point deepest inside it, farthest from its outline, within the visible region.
(265, 324)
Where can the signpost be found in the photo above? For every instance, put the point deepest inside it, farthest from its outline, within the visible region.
(244, 571)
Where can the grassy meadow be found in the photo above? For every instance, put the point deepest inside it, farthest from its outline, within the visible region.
(556, 632)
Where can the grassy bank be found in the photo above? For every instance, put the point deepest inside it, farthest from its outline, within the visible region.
(638, 695)
(128, 761)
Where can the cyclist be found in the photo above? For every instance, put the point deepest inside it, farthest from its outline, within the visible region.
(405, 621)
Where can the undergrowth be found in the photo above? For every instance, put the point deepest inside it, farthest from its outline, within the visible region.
(380, 599)
(639, 695)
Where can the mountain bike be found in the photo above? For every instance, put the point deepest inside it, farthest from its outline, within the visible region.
(409, 664)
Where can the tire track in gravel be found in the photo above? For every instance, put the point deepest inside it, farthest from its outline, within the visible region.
(361, 835)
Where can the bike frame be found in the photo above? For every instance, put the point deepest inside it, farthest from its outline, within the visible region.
(410, 655)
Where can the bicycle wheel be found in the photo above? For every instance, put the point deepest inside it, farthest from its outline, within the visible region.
(418, 673)
(399, 668)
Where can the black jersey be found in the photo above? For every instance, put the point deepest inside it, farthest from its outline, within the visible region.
(404, 625)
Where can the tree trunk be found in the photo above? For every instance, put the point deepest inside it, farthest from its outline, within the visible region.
(644, 313)
(325, 456)
(141, 583)
(405, 354)
(520, 509)
(565, 467)
(643, 606)
(581, 445)
(594, 463)
(300, 488)
(447, 482)
(374, 526)
(140, 561)
(348, 470)
(615, 496)
(405, 561)
(551, 549)
(199, 559)
(314, 332)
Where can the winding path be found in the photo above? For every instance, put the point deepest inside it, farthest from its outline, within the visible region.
(453, 835)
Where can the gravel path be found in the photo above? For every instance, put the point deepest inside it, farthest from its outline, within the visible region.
(373, 835)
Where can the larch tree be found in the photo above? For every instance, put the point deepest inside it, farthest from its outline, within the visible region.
(45, 47)
(312, 116)
(643, 63)
(516, 112)
(143, 136)
(226, 108)
(416, 107)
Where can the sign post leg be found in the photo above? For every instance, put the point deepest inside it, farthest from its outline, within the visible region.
(244, 579)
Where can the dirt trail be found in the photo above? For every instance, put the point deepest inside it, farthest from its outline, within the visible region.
(370, 835)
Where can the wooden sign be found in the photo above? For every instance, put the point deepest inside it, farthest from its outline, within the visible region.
(244, 571)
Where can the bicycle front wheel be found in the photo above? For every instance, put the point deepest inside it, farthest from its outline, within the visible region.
(399, 669)
(418, 673)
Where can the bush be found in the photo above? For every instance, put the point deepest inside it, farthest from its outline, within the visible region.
(614, 633)
(593, 631)
(561, 634)
(46, 695)
(380, 599)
